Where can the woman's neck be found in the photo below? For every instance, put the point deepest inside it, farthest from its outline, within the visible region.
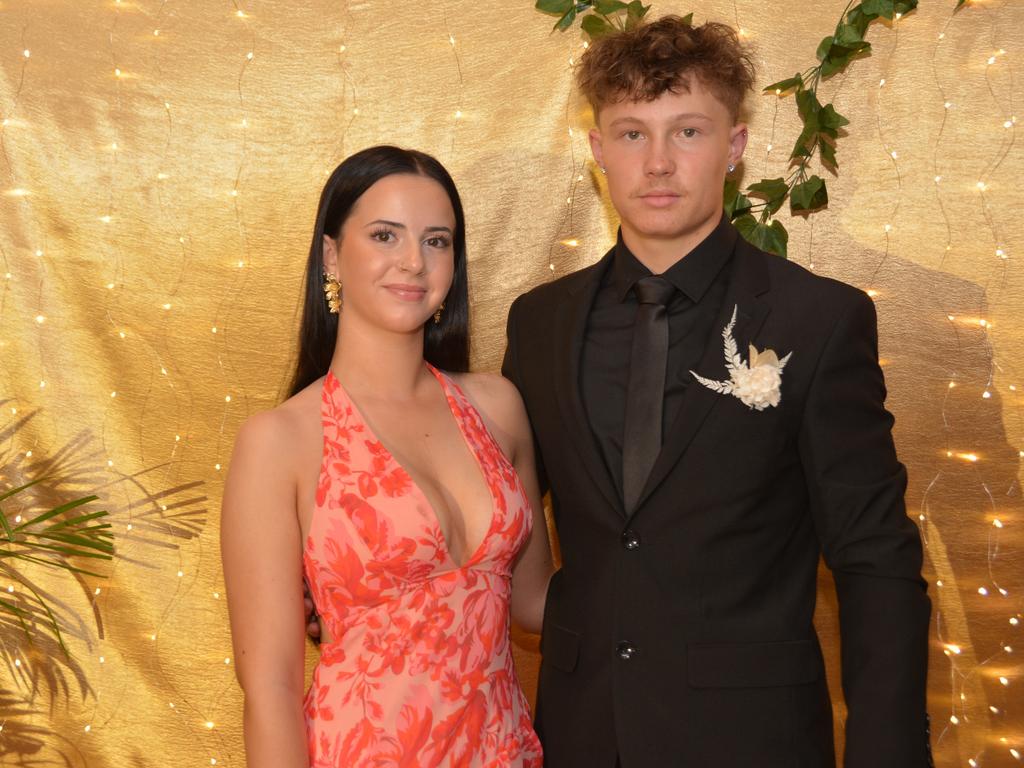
(378, 364)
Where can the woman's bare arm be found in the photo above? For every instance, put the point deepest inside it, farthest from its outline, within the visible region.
(535, 566)
(502, 409)
(261, 548)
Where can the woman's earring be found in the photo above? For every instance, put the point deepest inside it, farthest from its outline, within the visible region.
(437, 315)
(603, 170)
(731, 167)
(332, 292)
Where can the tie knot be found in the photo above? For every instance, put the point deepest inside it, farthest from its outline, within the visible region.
(653, 290)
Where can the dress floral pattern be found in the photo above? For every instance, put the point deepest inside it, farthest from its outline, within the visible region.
(419, 672)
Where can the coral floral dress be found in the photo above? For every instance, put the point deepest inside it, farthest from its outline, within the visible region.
(419, 672)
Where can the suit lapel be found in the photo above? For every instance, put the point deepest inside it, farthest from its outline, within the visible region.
(748, 282)
(570, 327)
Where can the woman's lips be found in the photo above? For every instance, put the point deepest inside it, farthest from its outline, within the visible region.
(407, 292)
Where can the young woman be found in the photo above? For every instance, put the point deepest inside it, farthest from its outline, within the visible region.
(401, 487)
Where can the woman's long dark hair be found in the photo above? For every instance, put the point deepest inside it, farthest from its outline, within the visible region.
(445, 344)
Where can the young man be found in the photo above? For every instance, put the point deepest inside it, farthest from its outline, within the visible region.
(692, 499)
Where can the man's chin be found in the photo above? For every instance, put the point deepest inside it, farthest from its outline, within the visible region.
(669, 228)
(660, 231)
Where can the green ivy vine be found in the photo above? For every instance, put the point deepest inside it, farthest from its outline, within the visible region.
(600, 17)
(753, 210)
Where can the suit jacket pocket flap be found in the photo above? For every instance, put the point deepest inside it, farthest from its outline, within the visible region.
(753, 665)
(560, 647)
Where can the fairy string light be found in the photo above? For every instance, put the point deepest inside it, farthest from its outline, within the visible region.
(166, 371)
(170, 391)
(936, 169)
(978, 674)
(577, 165)
(1008, 120)
(346, 86)
(240, 277)
(8, 119)
(890, 151)
(460, 91)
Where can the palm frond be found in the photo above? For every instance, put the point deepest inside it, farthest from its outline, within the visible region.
(55, 537)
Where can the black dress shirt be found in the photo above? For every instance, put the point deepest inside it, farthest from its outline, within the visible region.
(701, 280)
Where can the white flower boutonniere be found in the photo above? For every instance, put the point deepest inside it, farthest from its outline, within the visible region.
(757, 382)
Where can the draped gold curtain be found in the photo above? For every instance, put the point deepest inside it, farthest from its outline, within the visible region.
(160, 162)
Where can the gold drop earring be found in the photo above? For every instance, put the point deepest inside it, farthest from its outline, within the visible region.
(332, 292)
(437, 315)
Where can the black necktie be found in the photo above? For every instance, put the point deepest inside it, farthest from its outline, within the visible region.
(641, 440)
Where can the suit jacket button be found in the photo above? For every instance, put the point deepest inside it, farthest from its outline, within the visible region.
(625, 650)
(630, 540)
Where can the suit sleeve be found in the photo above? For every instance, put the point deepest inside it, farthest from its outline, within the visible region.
(856, 486)
(510, 370)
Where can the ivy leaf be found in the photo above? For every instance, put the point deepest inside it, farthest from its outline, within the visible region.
(768, 189)
(835, 52)
(746, 224)
(635, 11)
(772, 191)
(734, 201)
(959, 3)
(597, 26)
(828, 155)
(904, 7)
(830, 121)
(829, 118)
(847, 34)
(883, 8)
(839, 56)
(688, 19)
(801, 148)
(607, 7)
(808, 196)
(558, 7)
(776, 239)
(768, 237)
(566, 21)
(858, 21)
(807, 105)
(824, 47)
(796, 81)
(805, 141)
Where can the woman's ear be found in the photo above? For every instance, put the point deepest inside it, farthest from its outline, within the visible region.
(330, 249)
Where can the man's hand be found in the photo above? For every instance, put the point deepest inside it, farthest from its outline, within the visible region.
(312, 620)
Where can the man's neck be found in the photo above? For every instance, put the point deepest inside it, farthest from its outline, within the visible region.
(658, 254)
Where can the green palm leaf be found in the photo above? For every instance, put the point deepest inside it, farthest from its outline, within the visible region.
(58, 537)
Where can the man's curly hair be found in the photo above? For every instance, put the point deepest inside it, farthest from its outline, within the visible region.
(643, 63)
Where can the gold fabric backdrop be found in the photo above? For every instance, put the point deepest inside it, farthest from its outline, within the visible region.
(160, 162)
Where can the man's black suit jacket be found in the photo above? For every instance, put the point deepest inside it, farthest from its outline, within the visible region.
(682, 635)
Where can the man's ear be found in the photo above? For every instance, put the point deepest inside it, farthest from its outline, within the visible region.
(330, 249)
(595, 147)
(737, 142)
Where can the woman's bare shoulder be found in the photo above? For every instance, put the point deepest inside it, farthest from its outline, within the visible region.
(279, 434)
(498, 399)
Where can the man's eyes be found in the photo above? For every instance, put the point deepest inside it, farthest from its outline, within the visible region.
(689, 133)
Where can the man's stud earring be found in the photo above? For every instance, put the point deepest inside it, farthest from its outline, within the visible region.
(604, 170)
